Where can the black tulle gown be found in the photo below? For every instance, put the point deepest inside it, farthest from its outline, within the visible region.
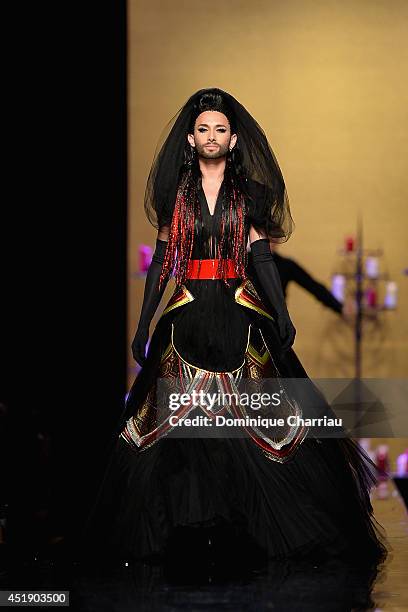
(311, 501)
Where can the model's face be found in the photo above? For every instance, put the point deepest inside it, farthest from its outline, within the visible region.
(212, 136)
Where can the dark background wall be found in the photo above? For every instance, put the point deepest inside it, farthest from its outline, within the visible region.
(63, 341)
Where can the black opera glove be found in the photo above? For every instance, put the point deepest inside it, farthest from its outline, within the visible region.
(269, 280)
(151, 300)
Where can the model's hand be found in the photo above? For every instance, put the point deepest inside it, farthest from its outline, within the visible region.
(287, 331)
(139, 345)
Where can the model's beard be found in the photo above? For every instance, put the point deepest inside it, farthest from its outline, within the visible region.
(220, 151)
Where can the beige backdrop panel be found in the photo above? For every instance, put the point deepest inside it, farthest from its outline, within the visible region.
(326, 82)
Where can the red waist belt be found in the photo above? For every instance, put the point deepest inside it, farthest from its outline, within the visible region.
(208, 269)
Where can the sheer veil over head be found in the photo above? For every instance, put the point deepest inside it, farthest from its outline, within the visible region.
(252, 177)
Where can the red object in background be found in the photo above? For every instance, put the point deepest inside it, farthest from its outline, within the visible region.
(382, 461)
(349, 244)
(371, 296)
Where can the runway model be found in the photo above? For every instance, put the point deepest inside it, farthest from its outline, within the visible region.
(214, 185)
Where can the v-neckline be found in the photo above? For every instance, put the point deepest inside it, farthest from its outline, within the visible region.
(216, 201)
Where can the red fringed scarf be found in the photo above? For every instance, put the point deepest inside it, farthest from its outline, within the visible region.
(181, 237)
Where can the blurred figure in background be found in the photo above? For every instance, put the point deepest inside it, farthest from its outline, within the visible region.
(291, 271)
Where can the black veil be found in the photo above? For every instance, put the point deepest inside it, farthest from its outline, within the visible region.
(253, 160)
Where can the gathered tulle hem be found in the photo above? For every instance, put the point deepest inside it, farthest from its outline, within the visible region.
(313, 506)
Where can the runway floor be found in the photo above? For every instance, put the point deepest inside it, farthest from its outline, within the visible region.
(193, 587)
(391, 587)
